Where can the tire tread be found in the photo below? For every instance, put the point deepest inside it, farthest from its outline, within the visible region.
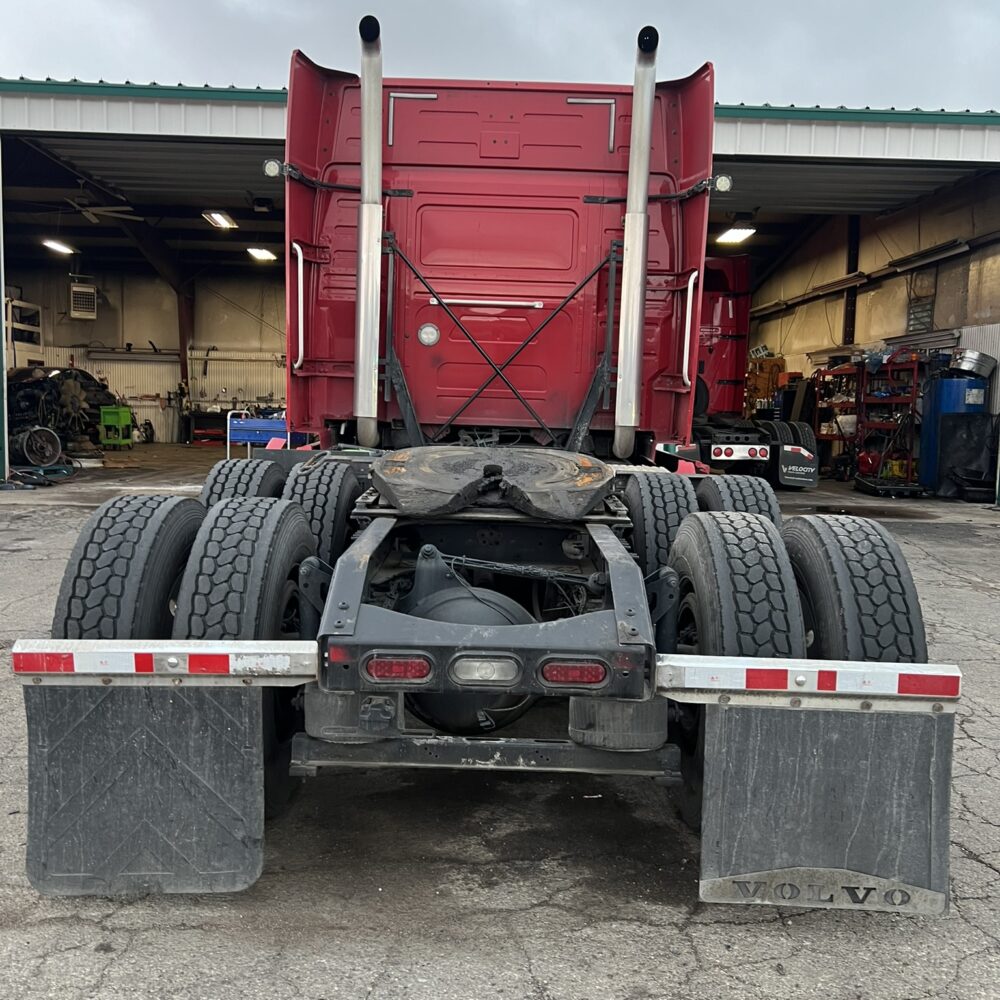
(745, 494)
(242, 477)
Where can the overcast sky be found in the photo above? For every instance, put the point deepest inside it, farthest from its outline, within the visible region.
(901, 53)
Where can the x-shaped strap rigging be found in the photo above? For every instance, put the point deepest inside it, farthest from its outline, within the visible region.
(498, 370)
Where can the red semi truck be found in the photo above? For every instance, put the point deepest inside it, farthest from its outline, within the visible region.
(783, 452)
(491, 299)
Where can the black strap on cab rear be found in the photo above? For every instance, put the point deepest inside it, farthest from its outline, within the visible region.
(498, 370)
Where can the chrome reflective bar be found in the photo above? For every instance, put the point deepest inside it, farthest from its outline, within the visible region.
(149, 662)
(838, 685)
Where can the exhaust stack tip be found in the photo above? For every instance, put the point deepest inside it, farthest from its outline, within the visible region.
(648, 39)
(369, 29)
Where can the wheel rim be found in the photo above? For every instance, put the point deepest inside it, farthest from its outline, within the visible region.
(290, 620)
(687, 623)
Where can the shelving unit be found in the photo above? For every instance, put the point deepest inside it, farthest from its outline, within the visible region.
(887, 412)
(836, 396)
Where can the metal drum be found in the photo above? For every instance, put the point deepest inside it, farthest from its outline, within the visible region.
(973, 362)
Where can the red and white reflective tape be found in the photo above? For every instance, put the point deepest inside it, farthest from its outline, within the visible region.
(123, 658)
(736, 675)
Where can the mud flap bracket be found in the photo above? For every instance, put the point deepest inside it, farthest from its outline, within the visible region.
(136, 790)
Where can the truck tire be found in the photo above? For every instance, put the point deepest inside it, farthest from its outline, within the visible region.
(746, 494)
(857, 594)
(657, 504)
(326, 493)
(241, 583)
(738, 598)
(777, 430)
(120, 761)
(125, 569)
(803, 435)
(242, 477)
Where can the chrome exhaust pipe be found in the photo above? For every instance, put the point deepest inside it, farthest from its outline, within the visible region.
(369, 287)
(634, 253)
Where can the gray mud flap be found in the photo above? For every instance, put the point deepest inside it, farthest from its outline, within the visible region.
(826, 809)
(143, 790)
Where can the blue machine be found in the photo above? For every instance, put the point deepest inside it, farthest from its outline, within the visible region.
(961, 394)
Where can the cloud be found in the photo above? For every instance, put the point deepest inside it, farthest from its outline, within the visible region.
(901, 53)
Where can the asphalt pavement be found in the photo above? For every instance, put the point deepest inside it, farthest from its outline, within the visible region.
(440, 885)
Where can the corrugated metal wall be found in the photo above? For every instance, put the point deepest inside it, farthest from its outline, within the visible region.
(987, 340)
(226, 379)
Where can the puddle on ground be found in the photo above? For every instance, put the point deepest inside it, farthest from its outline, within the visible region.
(878, 512)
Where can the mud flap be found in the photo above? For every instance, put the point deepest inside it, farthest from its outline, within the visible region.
(826, 809)
(797, 467)
(144, 790)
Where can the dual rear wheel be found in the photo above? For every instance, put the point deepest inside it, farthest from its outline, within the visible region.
(161, 567)
(825, 588)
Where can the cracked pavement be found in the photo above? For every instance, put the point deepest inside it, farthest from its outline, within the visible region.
(430, 886)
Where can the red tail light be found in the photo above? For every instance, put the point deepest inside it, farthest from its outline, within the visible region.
(398, 668)
(763, 453)
(752, 452)
(728, 453)
(717, 453)
(574, 673)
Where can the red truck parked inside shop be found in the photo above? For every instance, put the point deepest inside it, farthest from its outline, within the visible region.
(729, 437)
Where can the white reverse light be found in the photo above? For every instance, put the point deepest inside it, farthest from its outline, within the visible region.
(261, 253)
(428, 335)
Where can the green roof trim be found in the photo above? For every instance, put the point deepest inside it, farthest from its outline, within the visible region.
(263, 95)
(141, 91)
(881, 116)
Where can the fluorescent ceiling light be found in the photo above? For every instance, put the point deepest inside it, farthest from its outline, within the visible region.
(58, 246)
(219, 219)
(736, 233)
(259, 253)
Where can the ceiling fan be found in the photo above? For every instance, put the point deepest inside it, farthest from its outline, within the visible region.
(112, 213)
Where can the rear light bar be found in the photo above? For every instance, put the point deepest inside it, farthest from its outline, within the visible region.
(398, 668)
(574, 674)
(739, 452)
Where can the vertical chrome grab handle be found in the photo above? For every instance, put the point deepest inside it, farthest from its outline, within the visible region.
(688, 314)
(297, 250)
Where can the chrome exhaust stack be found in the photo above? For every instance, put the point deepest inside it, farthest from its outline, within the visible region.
(369, 287)
(634, 253)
